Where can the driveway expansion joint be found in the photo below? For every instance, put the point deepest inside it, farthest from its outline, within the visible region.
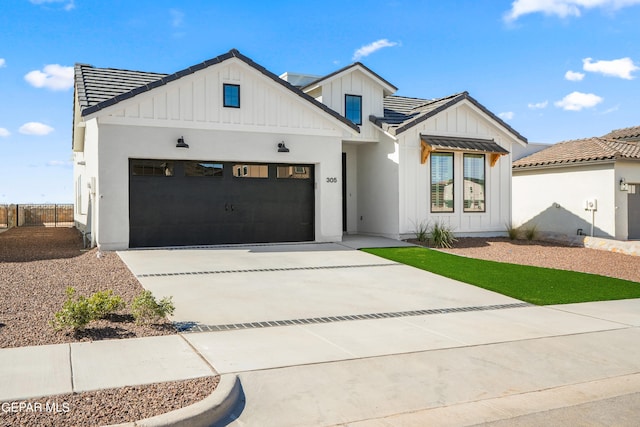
(267, 270)
(190, 327)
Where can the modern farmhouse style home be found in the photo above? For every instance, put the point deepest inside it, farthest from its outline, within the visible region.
(227, 152)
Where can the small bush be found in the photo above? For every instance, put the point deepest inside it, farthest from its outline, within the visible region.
(422, 232)
(146, 309)
(442, 236)
(75, 314)
(531, 233)
(104, 303)
(512, 231)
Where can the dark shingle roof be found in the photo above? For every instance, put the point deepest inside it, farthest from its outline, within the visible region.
(466, 144)
(402, 113)
(628, 134)
(580, 151)
(98, 88)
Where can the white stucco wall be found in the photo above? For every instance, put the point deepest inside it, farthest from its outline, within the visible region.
(463, 120)
(553, 199)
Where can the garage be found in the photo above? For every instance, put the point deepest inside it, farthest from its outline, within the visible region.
(186, 203)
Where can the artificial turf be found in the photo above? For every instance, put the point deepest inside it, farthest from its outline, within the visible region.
(536, 285)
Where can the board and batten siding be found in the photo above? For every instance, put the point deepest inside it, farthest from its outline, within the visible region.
(463, 120)
(195, 101)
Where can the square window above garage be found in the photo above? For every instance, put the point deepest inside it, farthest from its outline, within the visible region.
(231, 95)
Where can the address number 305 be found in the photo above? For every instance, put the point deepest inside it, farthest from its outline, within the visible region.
(332, 179)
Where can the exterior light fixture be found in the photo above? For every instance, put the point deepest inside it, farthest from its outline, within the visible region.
(282, 148)
(623, 185)
(181, 143)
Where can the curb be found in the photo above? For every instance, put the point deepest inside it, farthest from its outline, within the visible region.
(209, 411)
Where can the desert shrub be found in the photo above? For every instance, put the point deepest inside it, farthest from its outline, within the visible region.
(441, 235)
(76, 313)
(512, 231)
(422, 232)
(531, 233)
(145, 308)
(104, 303)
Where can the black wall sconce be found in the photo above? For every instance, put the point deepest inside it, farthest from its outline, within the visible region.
(181, 143)
(282, 148)
(623, 185)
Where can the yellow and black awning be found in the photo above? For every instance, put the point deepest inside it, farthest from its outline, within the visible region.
(431, 143)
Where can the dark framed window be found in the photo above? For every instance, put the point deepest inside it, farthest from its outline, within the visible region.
(473, 169)
(353, 108)
(203, 169)
(441, 182)
(293, 172)
(151, 168)
(231, 95)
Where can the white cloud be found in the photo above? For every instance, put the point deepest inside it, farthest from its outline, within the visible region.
(52, 76)
(68, 4)
(4, 133)
(576, 101)
(507, 115)
(35, 128)
(562, 8)
(573, 76)
(3, 63)
(177, 18)
(60, 163)
(538, 105)
(372, 47)
(622, 67)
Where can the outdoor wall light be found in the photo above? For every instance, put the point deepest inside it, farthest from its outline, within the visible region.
(282, 148)
(181, 143)
(623, 185)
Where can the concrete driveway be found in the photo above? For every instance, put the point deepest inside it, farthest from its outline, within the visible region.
(322, 334)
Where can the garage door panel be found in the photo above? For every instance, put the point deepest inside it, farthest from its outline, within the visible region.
(183, 209)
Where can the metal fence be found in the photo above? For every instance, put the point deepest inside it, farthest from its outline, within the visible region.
(34, 215)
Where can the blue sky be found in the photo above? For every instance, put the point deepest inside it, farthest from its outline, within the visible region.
(553, 69)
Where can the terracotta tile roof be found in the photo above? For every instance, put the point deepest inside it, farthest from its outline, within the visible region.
(402, 113)
(630, 133)
(98, 88)
(579, 151)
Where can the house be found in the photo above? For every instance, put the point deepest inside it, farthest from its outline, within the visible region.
(227, 152)
(581, 187)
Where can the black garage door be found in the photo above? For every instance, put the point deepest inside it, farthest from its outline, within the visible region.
(178, 203)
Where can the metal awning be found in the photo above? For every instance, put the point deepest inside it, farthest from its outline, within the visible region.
(431, 143)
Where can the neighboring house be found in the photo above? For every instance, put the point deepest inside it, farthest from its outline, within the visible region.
(227, 152)
(552, 188)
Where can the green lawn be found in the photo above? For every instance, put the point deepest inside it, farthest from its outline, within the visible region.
(537, 285)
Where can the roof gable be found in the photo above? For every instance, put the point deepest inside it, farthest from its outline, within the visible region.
(387, 87)
(401, 113)
(100, 88)
(580, 151)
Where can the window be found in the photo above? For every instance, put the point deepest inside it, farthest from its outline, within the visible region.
(293, 171)
(151, 168)
(231, 96)
(474, 182)
(353, 108)
(203, 169)
(441, 182)
(251, 171)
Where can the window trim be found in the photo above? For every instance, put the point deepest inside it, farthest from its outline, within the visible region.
(225, 102)
(453, 183)
(484, 190)
(359, 97)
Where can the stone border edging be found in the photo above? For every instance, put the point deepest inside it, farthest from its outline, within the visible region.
(206, 412)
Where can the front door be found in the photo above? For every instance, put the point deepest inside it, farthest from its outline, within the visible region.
(633, 215)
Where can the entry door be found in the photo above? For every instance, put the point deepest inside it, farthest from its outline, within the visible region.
(633, 215)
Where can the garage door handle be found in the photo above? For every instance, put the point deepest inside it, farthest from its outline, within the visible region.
(227, 207)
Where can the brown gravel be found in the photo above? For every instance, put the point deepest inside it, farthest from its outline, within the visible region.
(551, 255)
(36, 266)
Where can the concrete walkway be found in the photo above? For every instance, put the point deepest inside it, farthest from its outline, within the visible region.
(391, 346)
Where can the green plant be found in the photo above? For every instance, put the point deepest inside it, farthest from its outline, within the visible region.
(146, 309)
(104, 303)
(512, 231)
(441, 235)
(531, 233)
(75, 313)
(422, 232)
